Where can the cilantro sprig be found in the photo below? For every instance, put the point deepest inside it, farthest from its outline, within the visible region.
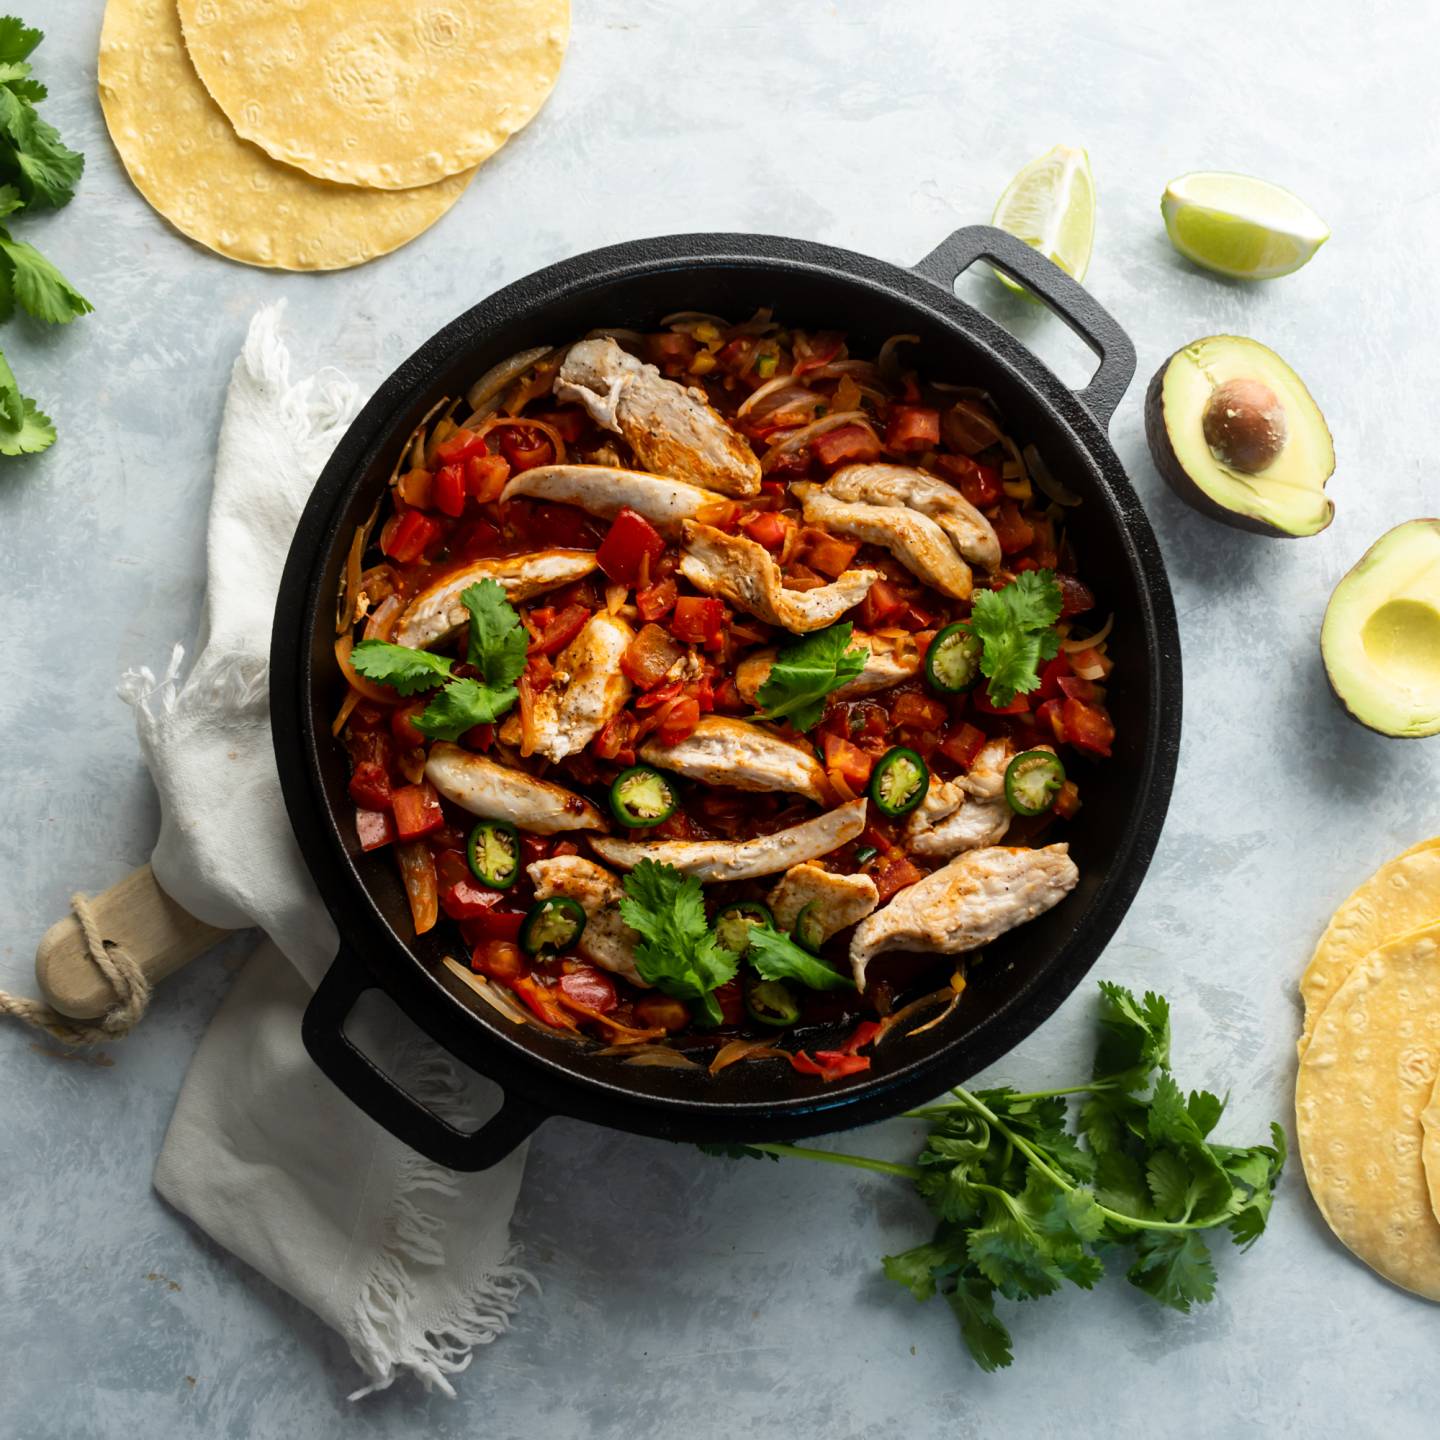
(806, 672)
(1025, 1205)
(1016, 628)
(37, 171)
(496, 647)
(776, 956)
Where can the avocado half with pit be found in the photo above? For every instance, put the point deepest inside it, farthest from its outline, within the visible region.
(1381, 636)
(1236, 435)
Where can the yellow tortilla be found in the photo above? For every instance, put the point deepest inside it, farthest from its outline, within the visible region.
(1398, 898)
(1430, 1146)
(1363, 1082)
(214, 187)
(382, 93)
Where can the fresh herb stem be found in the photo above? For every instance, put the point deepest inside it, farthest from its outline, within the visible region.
(836, 1157)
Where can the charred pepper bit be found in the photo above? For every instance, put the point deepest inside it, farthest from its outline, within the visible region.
(641, 797)
(1032, 781)
(899, 782)
(494, 853)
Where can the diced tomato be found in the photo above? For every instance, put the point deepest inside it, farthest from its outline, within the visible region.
(813, 351)
(485, 477)
(662, 1012)
(447, 490)
(613, 741)
(1075, 596)
(828, 554)
(417, 810)
(539, 672)
(402, 724)
(631, 538)
(374, 828)
(413, 487)
(849, 761)
(560, 631)
(370, 786)
(1067, 802)
(911, 429)
(894, 875)
(1076, 687)
(728, 699)
(829, 1064)
(656, 601)
(767, 529)
(1049, 721)
(1012, 530)
(1042, 547)
(649, 657)
(980, 696)
(478, 737)
(568, 422)
(1089, 727)
(592, 988)
(464, 898)
(671, 350)
(678, 720)
(459, 446)
(407, 537)
(492, 924)
(979, 484)
(883, 605)
(921, 712)
(563, 525)
(655, 698)
(474, 540)
(524, 447)
(1050, 677)
(543, 1002)
(731, 1003)
(499, 958)
(1091, 659)
(969, 426)
(845, 445)
(699, 620)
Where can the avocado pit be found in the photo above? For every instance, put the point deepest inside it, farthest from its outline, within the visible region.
(1244, 425)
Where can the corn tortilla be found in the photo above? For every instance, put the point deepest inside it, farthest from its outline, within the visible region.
(1364, 1079)
(1399, 897)
(373, 92)
(228, 195)
(1430, 1146)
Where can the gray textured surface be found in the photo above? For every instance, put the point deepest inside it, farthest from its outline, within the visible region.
(692, 1296)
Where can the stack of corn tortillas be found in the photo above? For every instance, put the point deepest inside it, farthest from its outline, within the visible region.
(1367, 1097)
(317, 136)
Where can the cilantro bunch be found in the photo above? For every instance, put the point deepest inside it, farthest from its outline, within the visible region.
(37, 172)
(1016, 628)
(1025, 1205)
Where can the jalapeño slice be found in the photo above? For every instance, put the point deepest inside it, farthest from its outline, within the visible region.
(732, 924)
(494, 853)
(642, 797)
(1032, 781)
(899, 782)
(554, 924)
(809, 928)
(952, 663)
(771, 1002)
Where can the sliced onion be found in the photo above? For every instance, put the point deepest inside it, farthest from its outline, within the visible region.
(382, 621)
(1089, 642)
(615, 597)
(415, 445)
(760, 323)
(693, 317)
(352, 699)
(618, 333)
(796, 438)
(886, 361)
(736, 1050)
(491, 994)
(773, 387)
(1047, 484)
(344, 644)
(836, 368)
(655, 1057)
(498, 422)
(497, 377)
(350, 580)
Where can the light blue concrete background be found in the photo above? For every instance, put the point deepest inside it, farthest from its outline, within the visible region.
(686, 1296)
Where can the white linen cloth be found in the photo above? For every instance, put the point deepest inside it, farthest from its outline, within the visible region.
(409, 1261)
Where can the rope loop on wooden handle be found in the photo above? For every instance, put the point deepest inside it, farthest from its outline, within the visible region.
(126, 978)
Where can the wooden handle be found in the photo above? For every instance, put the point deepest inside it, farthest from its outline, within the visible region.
(136, 914)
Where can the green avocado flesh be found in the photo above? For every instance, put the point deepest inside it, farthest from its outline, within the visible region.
(1381, 636)
(1285, 496)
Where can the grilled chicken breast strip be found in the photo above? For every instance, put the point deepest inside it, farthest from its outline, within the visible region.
(714, 861)
(436, 612)
(722, 751)
(967, 813)
(671, 429)
(840, 900)
(968, 903)
(903, 487)
(605, 490)
(744, 573)
(606, 940)
(887, 663)
(915, 540)
(495, 792)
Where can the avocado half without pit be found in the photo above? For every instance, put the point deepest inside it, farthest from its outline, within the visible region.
(1236, 435)
(1381, 636)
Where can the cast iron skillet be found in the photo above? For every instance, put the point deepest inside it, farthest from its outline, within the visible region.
(1024, 976)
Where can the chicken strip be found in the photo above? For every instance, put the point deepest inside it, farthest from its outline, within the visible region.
(887, 663)
(605, 490)
(436, 612)
(915, 540)
(587, 691)
(840, 900)
(901, 486)
(716, 860)
(743, 572)
(722, 751)
(495, 792)
(968, 903)
(672, 429)
(606, 940)
(967, 813)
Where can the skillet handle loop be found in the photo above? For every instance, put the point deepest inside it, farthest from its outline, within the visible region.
(385, 1101)
(1049, 283)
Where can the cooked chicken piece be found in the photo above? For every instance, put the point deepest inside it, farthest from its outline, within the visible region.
(899, 485)
(968, 903)
(888, 663)
(722, 751)
(436, 612)
(967, 813)
(672, 430)
(605, 490)
(606, 941)
(588, 690)
(915, 540)
(841, 900)
(495, 792)
(739, 570)
(717, 860)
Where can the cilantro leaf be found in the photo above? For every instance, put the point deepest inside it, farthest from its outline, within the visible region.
(17, 39)
(1134, 1036)
(39, 287)
(806, 672)
(777, 957)
(10, 200)
(1174, 1267)
(401, 668)
(1015, 625)
(32, 152)
(24, 429)
(462, 705)
(498, 640)
(919, 1268)
(973, 1303)
(678, 952)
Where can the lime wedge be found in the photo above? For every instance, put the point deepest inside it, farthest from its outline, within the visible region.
(1238, 226)
(1050, 205)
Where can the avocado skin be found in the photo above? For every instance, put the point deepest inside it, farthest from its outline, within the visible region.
(1174, 474)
